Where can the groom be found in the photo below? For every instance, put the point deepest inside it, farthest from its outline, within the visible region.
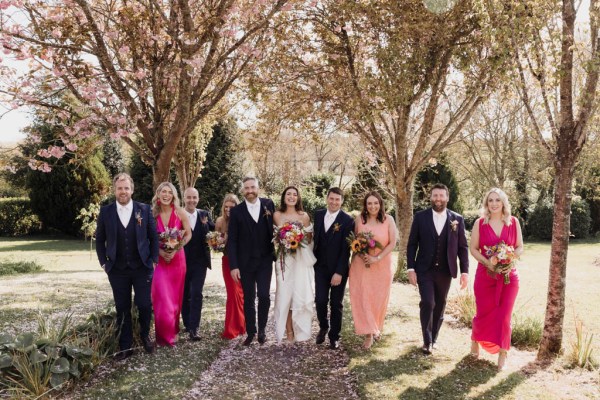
(332, 227)
(127, 248)
(251, 255)
(437, 237)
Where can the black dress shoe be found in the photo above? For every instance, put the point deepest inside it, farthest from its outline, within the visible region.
(262, 337)
(148, 345)
(248, 340)
(321, 336)
(334, 344)
(426, 349)
(194, 336)
(122, 355)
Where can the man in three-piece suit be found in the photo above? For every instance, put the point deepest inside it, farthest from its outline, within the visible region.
(332, 228)
(437, 238)
(127, 248)
(251, 255)
(197, 259)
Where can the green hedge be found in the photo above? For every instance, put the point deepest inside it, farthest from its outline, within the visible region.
(539, 224)
(17, 218)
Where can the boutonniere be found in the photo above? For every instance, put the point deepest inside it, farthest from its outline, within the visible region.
(138, 217)
(267, 212)
(454, 225)
(336, 227)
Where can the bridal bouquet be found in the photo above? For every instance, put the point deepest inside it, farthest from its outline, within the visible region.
(216, 241)
(502, 257)
(362, 242)
(288, 238)
(171, 239)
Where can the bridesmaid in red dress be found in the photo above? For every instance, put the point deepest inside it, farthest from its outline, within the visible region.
(169, 275)
(494, 299)
(235, 323)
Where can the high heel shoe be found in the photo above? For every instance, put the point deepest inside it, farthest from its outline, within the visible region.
(502, 356)
(474, 349)
(368, 342)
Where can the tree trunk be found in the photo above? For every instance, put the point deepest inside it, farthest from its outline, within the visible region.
(162, 169)
(555, 307)
(404, 217)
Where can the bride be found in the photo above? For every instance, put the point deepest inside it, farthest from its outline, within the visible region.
(294, 296)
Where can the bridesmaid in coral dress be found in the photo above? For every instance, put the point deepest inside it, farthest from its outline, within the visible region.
(235, 323)
(169, 275)
(494, 299)
(371, 275)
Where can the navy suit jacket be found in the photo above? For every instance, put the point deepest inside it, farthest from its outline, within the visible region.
(145, 232)
(420, 249)
(241, 229)
(338, 251)
(197, 252)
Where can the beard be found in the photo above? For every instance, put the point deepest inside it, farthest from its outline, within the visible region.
(439, 207)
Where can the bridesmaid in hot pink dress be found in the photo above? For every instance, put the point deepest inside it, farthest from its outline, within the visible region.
(494, 299)
(370, 276)
(169, 275)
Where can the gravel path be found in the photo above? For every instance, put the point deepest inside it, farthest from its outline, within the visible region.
(300, 370)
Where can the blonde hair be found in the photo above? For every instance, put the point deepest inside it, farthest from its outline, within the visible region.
(485, 212)
(176, 202)
(229, 198)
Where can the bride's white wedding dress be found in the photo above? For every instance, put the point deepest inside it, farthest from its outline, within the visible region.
(295, 292)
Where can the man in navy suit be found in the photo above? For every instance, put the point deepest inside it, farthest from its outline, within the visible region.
(197, 260)
(332, 228)
(437, 238)
(251, 255)
(127, 249)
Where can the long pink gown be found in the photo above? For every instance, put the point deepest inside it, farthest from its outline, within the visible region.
(370, 287)
(167, 290)
(494, 299)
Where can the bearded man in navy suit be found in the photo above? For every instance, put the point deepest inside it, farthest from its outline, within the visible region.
(127, 249)
(437, 238)
(251, 255)
(197, 259)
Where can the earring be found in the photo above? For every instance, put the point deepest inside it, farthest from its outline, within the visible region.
(158, 202)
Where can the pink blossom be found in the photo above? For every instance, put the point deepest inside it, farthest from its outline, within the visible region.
(45, 167)
(57, 33)
(140, 74)
(71, 147)
(371, 243)
(43, 153)
(35, 138)
(124, 49)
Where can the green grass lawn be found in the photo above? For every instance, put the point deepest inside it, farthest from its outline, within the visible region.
(393, 369)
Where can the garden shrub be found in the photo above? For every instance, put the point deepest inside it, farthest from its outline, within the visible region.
(539, 224)
(17, 218)
(470, 218)
(10, 267)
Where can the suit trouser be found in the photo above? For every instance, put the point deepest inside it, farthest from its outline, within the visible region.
(334, 296)
(434, 285)
(255, 281)
(121, 282)
(191, 310)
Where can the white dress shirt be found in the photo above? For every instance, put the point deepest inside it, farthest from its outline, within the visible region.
(439, 220)
(254, 209)
(193, 217)
(329, 219)
(125, 212)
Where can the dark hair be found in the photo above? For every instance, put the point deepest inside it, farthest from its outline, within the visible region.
(441, 186)
(283, 206)
(336, 190)
(364, 213)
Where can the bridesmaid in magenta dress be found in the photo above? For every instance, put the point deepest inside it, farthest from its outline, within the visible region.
(494, 299)
(235, 322)
(169, 275)
(371, 275)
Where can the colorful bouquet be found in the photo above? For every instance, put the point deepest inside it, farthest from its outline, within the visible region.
(362, 242)
(171, 239)
(502, 257)
(216, 241)
(288, 238)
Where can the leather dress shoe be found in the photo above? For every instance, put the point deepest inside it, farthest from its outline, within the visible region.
(334, 344)
(194, 336)
(426, 349)
(248, 340)
(321, 336)
(262, 337)
(148, 345)
(122, 355)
